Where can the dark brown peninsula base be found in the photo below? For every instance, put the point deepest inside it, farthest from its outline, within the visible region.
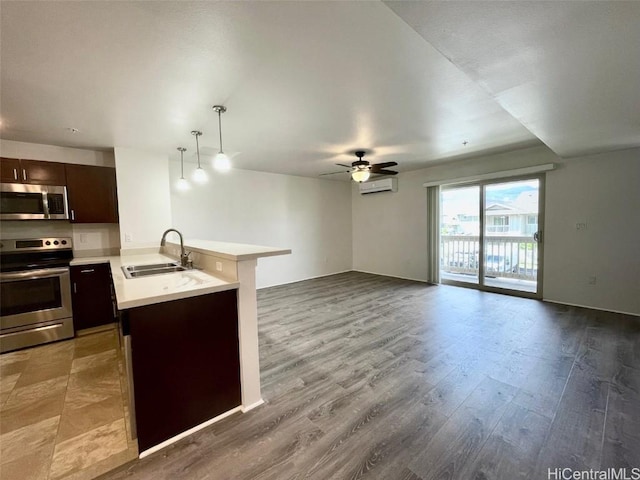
(185, 363)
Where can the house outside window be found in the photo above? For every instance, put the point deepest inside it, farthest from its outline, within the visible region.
(532, 224)
(499, 224)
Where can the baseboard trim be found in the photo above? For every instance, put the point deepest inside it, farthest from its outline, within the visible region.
(431, 283)
(252, 406)
(186, 433)
(395, 276)
(304, 279)
(589, 307)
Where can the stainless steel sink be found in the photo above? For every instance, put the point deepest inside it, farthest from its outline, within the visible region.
(153, 266)
(137, 271)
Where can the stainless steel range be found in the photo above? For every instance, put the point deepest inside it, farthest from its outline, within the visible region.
(35, 292)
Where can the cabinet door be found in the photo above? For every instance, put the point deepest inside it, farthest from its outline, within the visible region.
(32, 171)
(92, 194)
(91, 295)
(186, 364)
(42, 173)
(10, 170)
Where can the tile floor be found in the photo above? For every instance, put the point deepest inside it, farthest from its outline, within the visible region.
(63, 410)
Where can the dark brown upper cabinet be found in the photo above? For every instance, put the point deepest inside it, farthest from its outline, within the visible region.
(10, 170)
(36, 172)
(92, 194)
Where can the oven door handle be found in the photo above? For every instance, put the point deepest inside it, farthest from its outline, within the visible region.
(43, 273)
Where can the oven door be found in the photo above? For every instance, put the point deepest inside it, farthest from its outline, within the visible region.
(34, 296)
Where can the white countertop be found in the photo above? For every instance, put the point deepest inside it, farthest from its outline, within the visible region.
(233, 251)
(137, 292)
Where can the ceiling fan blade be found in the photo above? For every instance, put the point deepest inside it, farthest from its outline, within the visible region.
(334, 173)
(384, 165)
(384, 172)
(343, 165)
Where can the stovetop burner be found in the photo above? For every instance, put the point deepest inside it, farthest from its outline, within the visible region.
(35, 253)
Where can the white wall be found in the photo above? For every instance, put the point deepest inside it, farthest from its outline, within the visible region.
(603, 192)
(144, 200)
(88, 239)
(312, 217)
(389, 230)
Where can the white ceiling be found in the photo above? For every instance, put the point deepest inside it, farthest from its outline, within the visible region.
(568, 71)
(305, 83)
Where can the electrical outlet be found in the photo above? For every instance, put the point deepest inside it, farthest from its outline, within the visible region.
(219, 266)
(83, 238)
(581, 225)
(592, 280)
(127, 237)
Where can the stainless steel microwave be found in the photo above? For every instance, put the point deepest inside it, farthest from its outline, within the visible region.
(20, 201)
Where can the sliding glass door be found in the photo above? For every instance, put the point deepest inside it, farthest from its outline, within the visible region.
(460, 234)
(491, 235)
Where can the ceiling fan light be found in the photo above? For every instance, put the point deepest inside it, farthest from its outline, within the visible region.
(221, 162)
(360, 175)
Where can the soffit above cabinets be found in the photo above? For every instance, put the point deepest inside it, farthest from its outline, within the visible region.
(307, 83)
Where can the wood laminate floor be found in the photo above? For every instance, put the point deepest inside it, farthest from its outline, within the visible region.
(367, 376)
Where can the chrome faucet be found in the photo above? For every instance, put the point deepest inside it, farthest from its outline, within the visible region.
(184, 257)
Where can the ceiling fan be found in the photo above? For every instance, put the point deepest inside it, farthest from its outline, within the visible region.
(361, 170)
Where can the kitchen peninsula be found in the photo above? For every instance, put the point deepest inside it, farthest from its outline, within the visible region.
(190, 337)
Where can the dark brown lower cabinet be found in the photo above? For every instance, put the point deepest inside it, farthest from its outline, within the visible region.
(91, 295)
(185, 361)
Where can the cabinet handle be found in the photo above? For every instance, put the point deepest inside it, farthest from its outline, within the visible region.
(75, 288)
(24, 174)
(73, 215)
(88, 270)
(15, 174)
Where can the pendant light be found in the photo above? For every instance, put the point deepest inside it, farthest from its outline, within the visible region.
(221, 162)
(182, 183)
(199, 175)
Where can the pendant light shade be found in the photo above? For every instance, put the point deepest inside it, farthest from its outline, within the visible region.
(199, 175)
(182, 183)
(221, 161)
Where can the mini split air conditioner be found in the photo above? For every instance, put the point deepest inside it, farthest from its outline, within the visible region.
(383, 185)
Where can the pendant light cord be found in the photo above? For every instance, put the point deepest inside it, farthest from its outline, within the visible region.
(220, 128)
(197, 133)
(198, 150)
(181, 163)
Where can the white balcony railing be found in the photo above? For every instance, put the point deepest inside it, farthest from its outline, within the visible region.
(504, 256)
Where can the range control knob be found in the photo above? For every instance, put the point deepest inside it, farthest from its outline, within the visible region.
(56, 242)
(47, 242)
(64, 242)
